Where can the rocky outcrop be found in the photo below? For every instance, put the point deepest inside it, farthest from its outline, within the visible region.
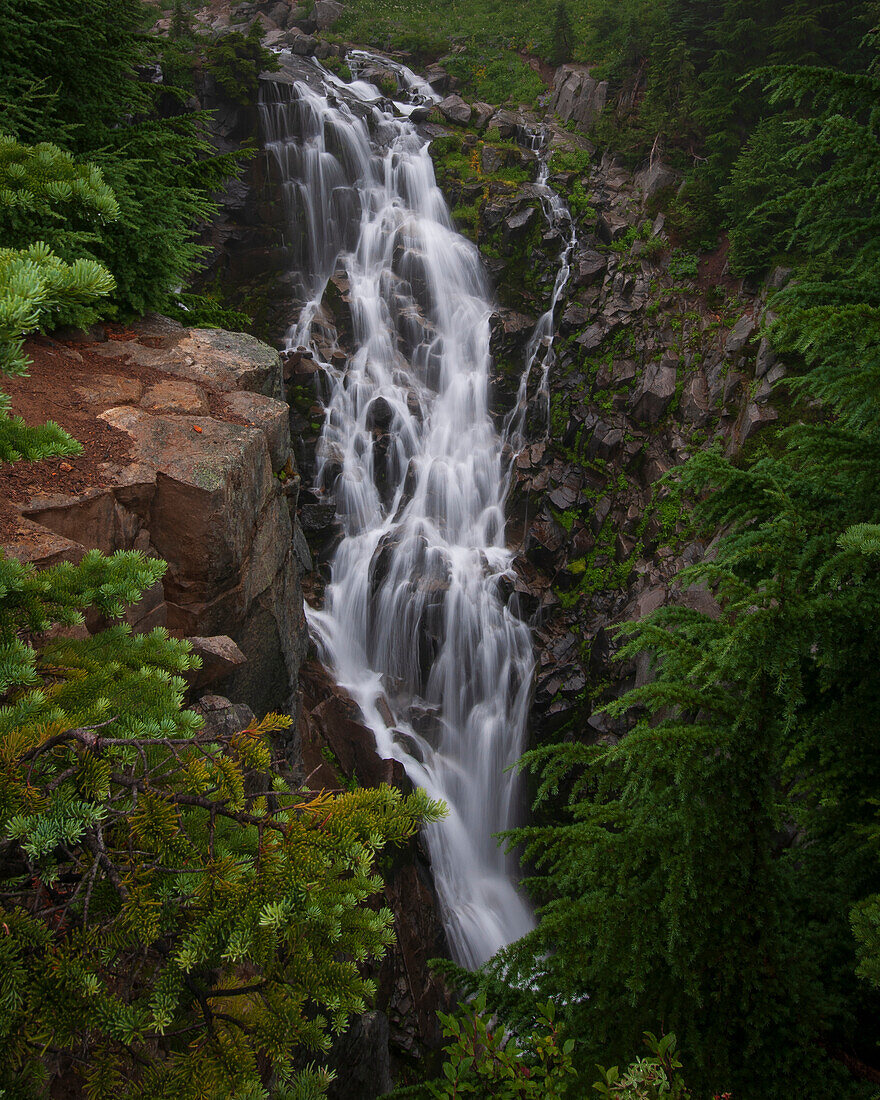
(577, 96)
(207, 435)
(339, 752)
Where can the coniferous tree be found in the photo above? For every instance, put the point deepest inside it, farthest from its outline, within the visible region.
(562, 34)
(93, 99)
(178, 920)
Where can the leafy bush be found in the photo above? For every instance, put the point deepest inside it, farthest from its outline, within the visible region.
(482, 1059)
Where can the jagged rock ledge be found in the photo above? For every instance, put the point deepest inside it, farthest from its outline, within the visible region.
(207, 431)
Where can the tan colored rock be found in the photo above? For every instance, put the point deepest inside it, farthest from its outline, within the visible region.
(33, 543)
(106, 390)
(213, 358)
(209, 489)
(270, 416)
(176, 398)
(90, 518)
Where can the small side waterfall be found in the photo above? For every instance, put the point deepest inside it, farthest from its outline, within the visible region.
(541, 350)
(414, 625)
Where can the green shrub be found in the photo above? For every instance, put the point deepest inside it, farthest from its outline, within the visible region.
(236, 60)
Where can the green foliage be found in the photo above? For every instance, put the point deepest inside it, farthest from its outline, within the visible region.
(92, 100)
(651, 1078)
(562, 34)
(482, 1059)
(178, 919)
(45, 194)
(236, 60)
(683, 265)
(495, 76)
(37, 289)
(208, 311)
(691, 57)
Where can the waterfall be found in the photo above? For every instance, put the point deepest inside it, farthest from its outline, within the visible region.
(415, 624)
(541, 346)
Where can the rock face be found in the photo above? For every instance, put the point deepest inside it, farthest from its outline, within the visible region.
(338, 751)
(199, 491)
(577, 96)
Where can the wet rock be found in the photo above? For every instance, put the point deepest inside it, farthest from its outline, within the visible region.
(379, 415)
(654, 393)
(518, 224)
(438, 78)
(317, 517)
(454, 109)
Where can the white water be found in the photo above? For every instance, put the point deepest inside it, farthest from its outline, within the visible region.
(541, 347)
(414, 625)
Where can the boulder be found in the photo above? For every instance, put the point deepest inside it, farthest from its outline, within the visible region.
(326, 13)
(270, 416)
(590, 266)
(483, 113)
(766, 358)
(304, 45)
(280, 14)
(220, 657)
(740, 335)
(654, 178)
(695, 404)
(654, 393)
(592, 337)
(611, 226)
(490, 159)
(454, 109)
(223, 718)
(213, 358)
(518, 224)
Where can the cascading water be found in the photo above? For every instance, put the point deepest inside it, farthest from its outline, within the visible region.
(541, 348)
(414, 624)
